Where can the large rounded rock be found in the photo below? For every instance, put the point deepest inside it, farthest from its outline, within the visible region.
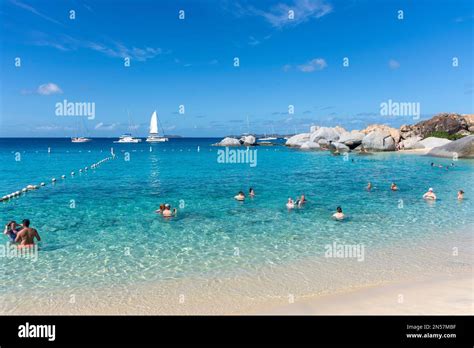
(431, 142)
(351, 139)
(461, 148)
(330, 134)
(248, 140)
(228, 142)
(394, 133)
(378, 140)
(298, 140)
(338, 147)
(410, 143)
(309, 145)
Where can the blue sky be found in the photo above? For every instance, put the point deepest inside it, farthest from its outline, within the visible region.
(190, 62)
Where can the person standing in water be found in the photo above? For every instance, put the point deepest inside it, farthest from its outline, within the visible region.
(167, 213)
(290, 204)
(394, 187)
(26, 237)
(11, 230)
(460, 195)
(430, 195)
(251, 192)
(240, 196)
(301, 201)
(338, 215)
(369, 186)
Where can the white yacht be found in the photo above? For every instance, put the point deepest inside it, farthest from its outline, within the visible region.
(154, 136)
(80, 140)
(127, 139)
(267, 138)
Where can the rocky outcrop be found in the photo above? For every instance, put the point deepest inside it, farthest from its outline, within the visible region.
(379, 140)
(379, 137)
(228, 142)
(298, 140)
(461, 148)
(445, 122)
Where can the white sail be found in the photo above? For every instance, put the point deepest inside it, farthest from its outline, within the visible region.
(154, 123)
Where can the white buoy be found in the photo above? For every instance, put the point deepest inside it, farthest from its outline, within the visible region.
(42, 184)
(86, 168)
(24, 190)
(72, 173)
(49, 150)
(80, 170)
(63, 176)
(53, 180)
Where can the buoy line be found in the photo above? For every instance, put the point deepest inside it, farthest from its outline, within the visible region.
(53, 180)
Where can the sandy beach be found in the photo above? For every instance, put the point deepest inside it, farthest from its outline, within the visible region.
(444, 295)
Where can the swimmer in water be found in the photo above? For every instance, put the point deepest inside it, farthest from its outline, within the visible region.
(11, 230)
(167, 213)
(430, 194)
(301, 201)
(160, 211)
(251, 192)
(240, 196)
(460, 195)
(290, 204)
(26, 237)
(369, 186)
(338, 215)
(394, 187)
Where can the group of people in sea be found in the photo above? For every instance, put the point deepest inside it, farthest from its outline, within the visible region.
(339, 215)
(22, 234)
(429, 195)
(434, 165)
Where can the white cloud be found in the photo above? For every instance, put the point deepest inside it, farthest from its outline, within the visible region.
(106, 127)
(33, 10)
(286, 67)
(313, 65)
(278, 15)
(253, 41)
(393, 64)
(49, 89)
(112, 49)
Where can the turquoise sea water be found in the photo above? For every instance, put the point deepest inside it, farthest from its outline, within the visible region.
(99, 228)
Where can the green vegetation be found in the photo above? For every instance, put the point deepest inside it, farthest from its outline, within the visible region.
(445, 135)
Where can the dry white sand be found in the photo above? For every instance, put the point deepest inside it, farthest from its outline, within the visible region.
(438, 295)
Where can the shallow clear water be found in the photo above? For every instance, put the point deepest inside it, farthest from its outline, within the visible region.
(114, 236)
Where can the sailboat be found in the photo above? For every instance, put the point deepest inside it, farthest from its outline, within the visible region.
(127, 138)
(265, 138)
(80, 139)
(154, 136)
